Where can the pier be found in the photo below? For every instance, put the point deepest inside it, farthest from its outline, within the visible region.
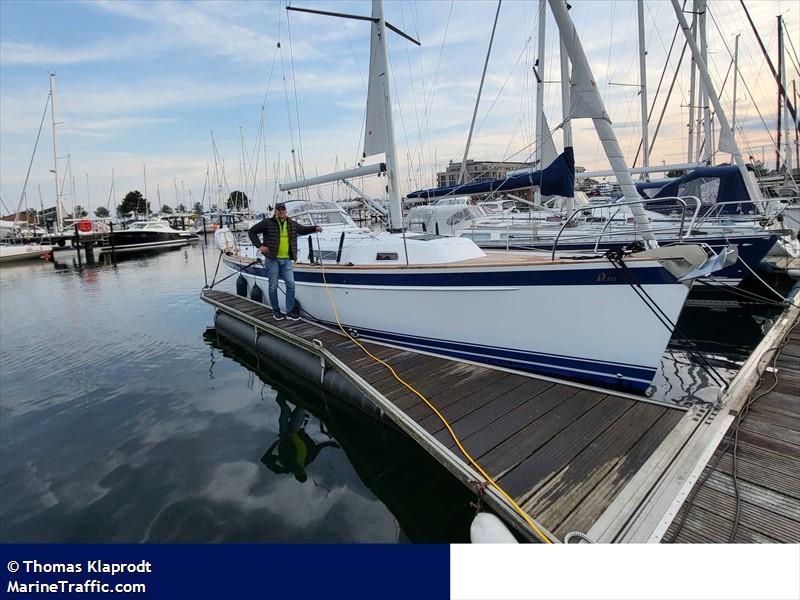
(562, 451)
(619, 468)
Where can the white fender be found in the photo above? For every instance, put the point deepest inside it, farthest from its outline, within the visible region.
(486, 528)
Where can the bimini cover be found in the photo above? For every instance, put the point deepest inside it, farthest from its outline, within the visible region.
(557, 179)
(709, 184)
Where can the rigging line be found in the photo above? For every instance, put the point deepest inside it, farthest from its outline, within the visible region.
(735, 291)
(478, 99)
(429, 100)
(413, 88)
(793, 55)
(289, 117)
(661, 79)
(33, 155)
(400, 112)
(743, 80)
(361, 76)
(769, 63)
(663, 317)
(503, 87)
(203, 246)
(296, 102)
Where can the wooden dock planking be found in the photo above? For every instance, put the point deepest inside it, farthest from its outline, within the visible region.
(511, 451)
(549, 443)
(767, 463)
(586, 514)
(566, 488)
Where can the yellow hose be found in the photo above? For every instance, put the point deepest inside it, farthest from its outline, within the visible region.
(539, 533)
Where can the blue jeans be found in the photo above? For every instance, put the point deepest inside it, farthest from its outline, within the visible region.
(280, 268)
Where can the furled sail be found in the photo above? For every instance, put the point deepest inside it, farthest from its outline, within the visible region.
(584, 101)
(557, 179)
(375, 129)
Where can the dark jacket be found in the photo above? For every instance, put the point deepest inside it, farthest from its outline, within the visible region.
(270, 229)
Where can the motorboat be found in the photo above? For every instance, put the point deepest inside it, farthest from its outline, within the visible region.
(10, 252)
(143, 235)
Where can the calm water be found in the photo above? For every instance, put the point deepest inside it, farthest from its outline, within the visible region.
(124, 418)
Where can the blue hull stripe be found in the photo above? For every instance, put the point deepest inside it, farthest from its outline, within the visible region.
(607, 374)
(610, 276)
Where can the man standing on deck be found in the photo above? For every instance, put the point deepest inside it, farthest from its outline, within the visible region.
(280, 249)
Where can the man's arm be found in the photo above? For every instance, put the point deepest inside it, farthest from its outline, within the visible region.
(306, 229)
(254, 231)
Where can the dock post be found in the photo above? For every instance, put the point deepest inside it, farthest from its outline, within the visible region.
(111, 241)
(76, 243)
(88, 249)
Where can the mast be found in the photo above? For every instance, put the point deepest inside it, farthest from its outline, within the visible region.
(587, 102)
(690, 157)
(567, 123)
(392, 178)
(726, 140)
(539, 71)
(780, 85)
(708, 151)
(146, 200)
(787, 138)
(735, 82)
(59, 209)
(643, 85)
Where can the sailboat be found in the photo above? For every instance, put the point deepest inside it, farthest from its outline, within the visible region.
(603, 320)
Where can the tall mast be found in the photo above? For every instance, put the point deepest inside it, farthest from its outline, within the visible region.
(59, 209)
(708, 151)
(735, 82)
(567, 123)
(726, 139)
(392, 177)
(780, 84)
(539, 133)
(690, 157)
(786, 118)
(643, 87)
(589, 103)
(146, 200)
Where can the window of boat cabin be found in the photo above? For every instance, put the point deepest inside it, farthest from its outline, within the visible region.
(704, 188)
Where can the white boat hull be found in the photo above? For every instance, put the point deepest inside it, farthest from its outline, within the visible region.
(579, 321)
(14, 252)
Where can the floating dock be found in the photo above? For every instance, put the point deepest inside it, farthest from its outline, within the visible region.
(574, 458)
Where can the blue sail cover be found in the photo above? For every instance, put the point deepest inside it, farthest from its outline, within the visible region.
(710, 184)
(558, 178)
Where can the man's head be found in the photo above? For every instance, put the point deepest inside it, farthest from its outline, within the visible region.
(280, 211)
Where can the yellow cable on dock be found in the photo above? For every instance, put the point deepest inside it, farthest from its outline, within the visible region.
(539, 533)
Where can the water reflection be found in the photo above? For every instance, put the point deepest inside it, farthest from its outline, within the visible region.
(294, 449)
(429, 504)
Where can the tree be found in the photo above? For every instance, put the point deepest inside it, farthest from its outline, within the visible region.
(80, 212)
(166, 209)
(133, 202)
(181, 208)
(101, 212)
(237, 201)
(197, 208)
(676, 173)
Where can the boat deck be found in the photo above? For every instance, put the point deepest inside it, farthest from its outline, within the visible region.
(762, 448)
(562, 451)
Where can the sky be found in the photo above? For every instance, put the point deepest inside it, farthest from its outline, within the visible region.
(170, 97)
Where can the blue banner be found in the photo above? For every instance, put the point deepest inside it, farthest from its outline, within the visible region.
(229, 571)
